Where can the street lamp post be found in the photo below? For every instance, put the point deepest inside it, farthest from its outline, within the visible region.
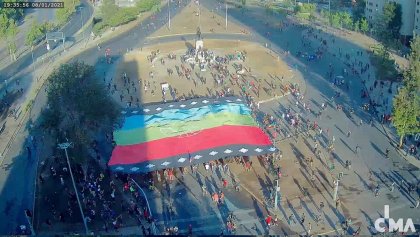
(169, 15)
(340, 175)
(336, 189)
(329, 11)
(199, 15)
(32, 52)
(64, 146)
(81, 21)
(276, 199)
(226, 15)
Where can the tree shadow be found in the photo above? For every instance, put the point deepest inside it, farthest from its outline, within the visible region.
(369, 222)
(377, 149)
(260, 215)
(366, 185)
(347, 145)
(308, 210)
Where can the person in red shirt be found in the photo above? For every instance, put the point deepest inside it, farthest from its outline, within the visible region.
(145, 214)
(225, 183)
(215, 198)
(268, 220)
(247, 166)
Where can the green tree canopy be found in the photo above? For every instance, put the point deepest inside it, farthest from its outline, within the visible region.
(112, 15)
(35, 33)
(335, 20)
(4, 23)
(392, 17)
(77, 100)
(63, 14)
(346, 20)
(406, 110)
(364, 25)
(11, 32)
(358, 9)
(356, 26)
(306, 8)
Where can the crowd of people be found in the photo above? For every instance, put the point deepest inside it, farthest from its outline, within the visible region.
(109, 201)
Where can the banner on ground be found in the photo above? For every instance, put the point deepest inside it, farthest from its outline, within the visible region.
(183, 133)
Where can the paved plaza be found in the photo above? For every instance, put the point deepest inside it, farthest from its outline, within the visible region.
(261, 70)
(313, 93)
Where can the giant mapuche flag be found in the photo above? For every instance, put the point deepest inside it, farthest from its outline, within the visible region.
(188, 132)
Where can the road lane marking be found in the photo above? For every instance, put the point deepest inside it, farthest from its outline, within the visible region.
(188, 34)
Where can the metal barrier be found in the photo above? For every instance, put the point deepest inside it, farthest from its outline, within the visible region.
(153, 227)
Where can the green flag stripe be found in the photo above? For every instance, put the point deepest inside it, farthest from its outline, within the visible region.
(159, 131)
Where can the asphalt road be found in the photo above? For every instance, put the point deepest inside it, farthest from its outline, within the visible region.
(318, 89)
(73, 26)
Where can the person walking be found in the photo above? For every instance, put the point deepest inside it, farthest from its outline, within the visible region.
(275, 220)
(225, 183)
(61, 180)
(357, 232)
(309, 229)
(392, 186)
(268, 220)
(302, 219)
(215, 197)
(377, 191)
(321, 206)
(190, 230)
(41, 179)
(204, 189)
(337, 203)
(290, 219)
(221, 197)
(357, 149)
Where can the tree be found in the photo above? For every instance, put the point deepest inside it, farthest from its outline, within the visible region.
(11, 33)
(335, 20)
(63, 14)
(306, 8)
(78, 105)
(406, 109)
(392, 18)
(358, 9)
(109, 8)
(34, 34)
(356, 26)
(364, 25)
(4, 23)
(346, 20)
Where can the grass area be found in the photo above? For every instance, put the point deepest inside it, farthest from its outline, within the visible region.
(64, 14)
(113, 16)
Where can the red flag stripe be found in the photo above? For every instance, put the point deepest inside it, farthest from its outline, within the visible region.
(189, 143)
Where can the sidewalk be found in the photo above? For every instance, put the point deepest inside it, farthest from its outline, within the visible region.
(44, 66)
(375, 94)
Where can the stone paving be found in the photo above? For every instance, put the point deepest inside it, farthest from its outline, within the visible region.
(300, 193)
(266, 70)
